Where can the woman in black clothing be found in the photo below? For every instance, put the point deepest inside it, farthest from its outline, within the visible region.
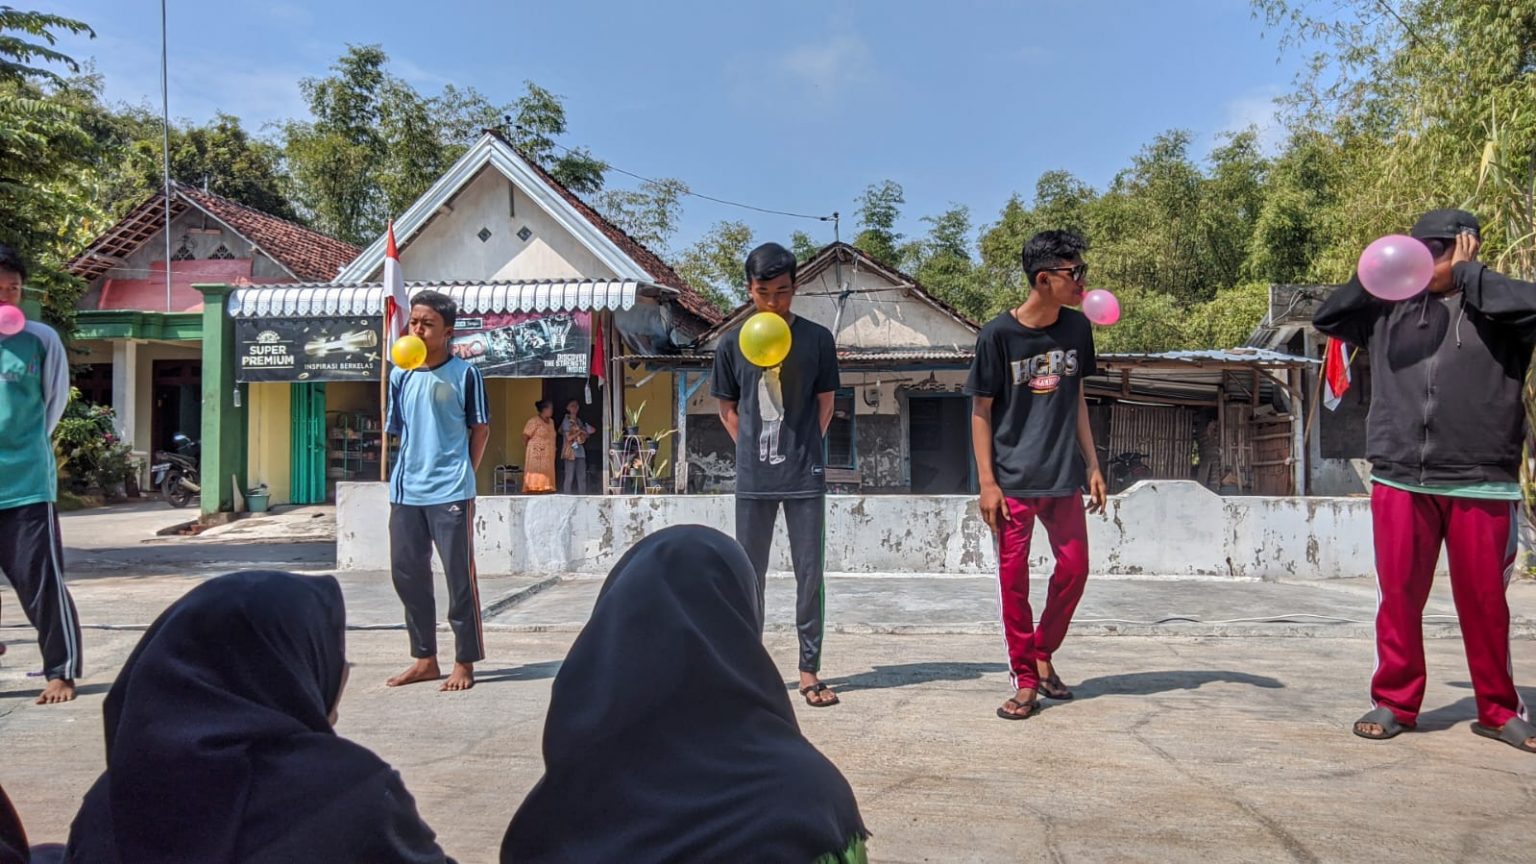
(670, 735)
(220, 745)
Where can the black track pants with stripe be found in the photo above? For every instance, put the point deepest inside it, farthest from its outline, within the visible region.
(32, 559)
(413, 532)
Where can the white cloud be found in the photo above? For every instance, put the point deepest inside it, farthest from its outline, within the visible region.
(1259, 110)
(417, 74)
(824, 72)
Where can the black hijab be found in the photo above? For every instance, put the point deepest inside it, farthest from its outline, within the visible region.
(13, 840)
(670, 736)
(220, 747)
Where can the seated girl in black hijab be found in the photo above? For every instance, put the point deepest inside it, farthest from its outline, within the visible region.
(670, 736)
(220, 747)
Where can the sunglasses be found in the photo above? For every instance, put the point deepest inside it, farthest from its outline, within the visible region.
(1436, 246)
(1077, 272)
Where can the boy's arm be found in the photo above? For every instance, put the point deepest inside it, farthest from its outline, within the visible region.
(1506, 301)
(477, 415)
(479, 436)
(394, 420)
(1349, 313)
(55, 381)
(729, 418)
(1096, 490)
(828, 380)
(994, 511)
(988, 373)
(725, 388)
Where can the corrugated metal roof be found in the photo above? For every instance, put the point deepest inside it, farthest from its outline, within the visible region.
(1251, 356)
(474, 298)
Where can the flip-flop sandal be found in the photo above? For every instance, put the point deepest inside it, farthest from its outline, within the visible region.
(819, 688)
(1514, 733)
(1391, 727)
(1021, 710)
(1052, 688)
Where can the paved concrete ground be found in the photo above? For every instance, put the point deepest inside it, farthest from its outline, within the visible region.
(1225, 738)
(1177, 748)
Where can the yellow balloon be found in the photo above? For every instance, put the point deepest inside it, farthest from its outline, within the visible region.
(765, 340)
(409, 352)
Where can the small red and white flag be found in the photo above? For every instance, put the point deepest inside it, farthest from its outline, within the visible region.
(1337, 358)
(397, 307)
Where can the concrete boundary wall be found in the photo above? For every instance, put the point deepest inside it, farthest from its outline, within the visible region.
(1157, 529)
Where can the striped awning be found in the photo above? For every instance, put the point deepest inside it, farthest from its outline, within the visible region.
(327, 301)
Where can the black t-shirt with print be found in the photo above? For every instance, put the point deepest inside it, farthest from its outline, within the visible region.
(1034, 377)
(779, 441)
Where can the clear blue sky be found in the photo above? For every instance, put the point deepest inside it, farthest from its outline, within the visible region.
(794, 105)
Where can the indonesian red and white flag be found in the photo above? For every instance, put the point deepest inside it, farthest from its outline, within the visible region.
(1336, 375)
(397, 307)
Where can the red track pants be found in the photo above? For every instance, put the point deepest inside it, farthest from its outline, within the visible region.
(1066, 526)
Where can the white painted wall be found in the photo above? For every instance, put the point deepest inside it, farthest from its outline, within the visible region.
(1159, 529)
(449, 247)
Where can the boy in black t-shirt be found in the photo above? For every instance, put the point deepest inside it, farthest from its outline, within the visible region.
(778, 418)
(1034, 455)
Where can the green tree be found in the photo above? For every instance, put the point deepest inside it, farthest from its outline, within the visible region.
(336, 156)
(373, 144)
(219, 155)
(1061, 201)
(715, 265)
(879, 208)
(804, 246)
(650, 213)
(538, 119)
(941, 262)
(46, 155)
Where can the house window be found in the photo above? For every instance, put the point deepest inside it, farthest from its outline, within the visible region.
(222, 253)
(94, 381)
(183, 253)
(841, 443)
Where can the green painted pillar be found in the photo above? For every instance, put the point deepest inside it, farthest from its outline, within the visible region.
(224, 420)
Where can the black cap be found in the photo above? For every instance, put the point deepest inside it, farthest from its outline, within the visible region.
(1445, 224)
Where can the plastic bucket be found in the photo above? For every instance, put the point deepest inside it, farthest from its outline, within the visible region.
(256, 502)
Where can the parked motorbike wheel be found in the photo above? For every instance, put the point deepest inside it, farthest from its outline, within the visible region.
(176, 494)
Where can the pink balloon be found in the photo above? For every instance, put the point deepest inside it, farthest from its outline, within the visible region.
(12, 320)
(1101, 307)
(1396, 267)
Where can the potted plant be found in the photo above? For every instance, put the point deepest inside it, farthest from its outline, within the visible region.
(632, 421)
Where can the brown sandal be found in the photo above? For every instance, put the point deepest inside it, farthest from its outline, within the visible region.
(818, 688)
(1020, 710)
(1052, 688)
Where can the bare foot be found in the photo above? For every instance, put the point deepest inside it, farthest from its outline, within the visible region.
(425, 669)
(58, 690)
(817, 694)
(462, 678)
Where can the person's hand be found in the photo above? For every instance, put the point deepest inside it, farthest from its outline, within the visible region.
(1467, 245)
(1096, 491)
(994, 508)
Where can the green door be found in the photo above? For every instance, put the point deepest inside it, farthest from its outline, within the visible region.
(307, 473)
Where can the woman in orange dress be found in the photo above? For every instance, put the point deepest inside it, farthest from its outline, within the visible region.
(539, 458)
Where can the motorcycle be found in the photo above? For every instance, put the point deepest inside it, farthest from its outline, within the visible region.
(176, 472)
(1126, 469)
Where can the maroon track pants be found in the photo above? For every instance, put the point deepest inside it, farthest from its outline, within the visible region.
(1066, 526)
(1480, 541)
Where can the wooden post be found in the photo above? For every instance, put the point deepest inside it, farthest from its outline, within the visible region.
(680, 439)
(1298, 433)
(1221, 430)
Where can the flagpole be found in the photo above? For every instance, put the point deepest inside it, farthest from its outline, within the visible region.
(393, 298)
(384, 401)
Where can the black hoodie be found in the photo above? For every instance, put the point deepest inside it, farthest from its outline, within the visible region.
(1446, 376)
